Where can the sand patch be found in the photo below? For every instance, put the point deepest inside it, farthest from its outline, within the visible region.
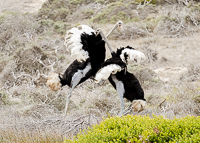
(170, 73)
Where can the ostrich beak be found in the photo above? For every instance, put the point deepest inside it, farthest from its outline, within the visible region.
(120, 27)
(97, 34)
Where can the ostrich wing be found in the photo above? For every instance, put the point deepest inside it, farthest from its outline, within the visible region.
(129, 53)
(73, 41)
(105, 72)
(110, 66)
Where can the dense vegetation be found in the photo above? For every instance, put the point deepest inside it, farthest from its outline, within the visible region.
(142, 129)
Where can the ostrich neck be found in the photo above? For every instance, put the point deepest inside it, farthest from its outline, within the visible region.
(111, 30)
(106, 40)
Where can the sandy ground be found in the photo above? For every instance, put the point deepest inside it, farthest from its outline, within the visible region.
(24, 6)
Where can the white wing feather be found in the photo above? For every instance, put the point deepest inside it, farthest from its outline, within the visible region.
(86, 29)
(132, 55)
(105, 72)
(73, 41)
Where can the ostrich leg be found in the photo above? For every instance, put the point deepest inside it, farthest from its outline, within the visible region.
(127, 110)
(75, 81)
(120, 90)
(67, 100)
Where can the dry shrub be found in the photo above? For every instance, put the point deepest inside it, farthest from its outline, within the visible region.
(3, 98)
(83, 12)
(25, 30)
(16, 30)
(44, 124)
(3, 62)
(52, 99)
(103, 104)
(126, 11)
(145, 10)
(131, 31)
(6, 75)
(178, 22)
(5, 37)
(97, 11)
(178, 28)
(147, 78)
(193, 73)
(29, 66)
(62, 10)
(25, 59)
(151, 54)
(32, 65)
(182, 100)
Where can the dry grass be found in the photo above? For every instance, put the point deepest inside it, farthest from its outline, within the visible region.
(41, 124)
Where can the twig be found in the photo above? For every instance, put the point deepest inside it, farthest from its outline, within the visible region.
(56, 96)
(162, 103)
(169, 2)
(50, 66)
(72, 127)
(89, 118)
(81, 117)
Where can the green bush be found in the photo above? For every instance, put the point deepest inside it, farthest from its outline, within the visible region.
(139, 129)
(60, 27)
(113, 12)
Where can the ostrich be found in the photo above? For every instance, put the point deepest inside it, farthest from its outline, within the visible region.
(126, 84)
(89, 48)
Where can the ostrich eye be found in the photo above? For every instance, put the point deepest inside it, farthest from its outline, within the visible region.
(120, 23)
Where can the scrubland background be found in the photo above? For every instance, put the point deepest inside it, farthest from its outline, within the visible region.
(31, 46)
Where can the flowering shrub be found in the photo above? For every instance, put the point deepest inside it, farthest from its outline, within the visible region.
(142, 129)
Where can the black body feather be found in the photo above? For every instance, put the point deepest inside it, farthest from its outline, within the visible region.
(96, 49)
(132, 87)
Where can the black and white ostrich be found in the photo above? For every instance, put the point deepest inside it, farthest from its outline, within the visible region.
(89, 49)
(126, 84)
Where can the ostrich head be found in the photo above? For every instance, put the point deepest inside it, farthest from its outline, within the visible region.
(139, 105)
(53, 82)
(119, 24)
